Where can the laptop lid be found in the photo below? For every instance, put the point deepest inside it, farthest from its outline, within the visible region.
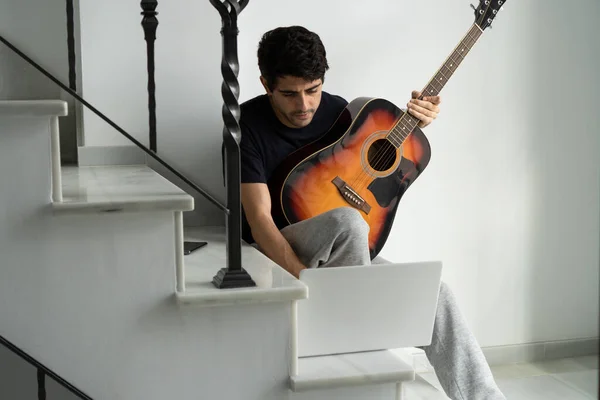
(364, 308)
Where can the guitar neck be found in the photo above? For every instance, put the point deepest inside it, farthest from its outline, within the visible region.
(439, 80)
(408, 123)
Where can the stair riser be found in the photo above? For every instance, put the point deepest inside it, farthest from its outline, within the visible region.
(25, 159)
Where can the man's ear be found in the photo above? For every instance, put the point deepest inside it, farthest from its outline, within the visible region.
(264, 83)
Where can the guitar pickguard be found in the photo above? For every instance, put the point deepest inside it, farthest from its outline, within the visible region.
(393, 186)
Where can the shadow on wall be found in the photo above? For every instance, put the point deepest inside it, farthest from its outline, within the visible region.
(564, 125)
(540, 191)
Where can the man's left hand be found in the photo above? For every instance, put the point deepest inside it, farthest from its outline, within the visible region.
(425, 110)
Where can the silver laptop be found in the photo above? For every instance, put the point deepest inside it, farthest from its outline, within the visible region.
(365, 308)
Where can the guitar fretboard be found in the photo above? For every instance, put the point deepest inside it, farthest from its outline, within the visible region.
(407, 123)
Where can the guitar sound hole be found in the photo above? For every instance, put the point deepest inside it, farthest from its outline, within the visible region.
(382, 155)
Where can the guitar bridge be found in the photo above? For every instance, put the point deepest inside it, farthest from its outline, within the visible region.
(351, 196)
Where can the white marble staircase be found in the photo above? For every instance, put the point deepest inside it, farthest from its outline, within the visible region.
(102, 194)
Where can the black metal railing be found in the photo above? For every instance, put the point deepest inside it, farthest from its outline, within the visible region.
(233, 275)
(42, 372)
(150, 24)
(71, 44)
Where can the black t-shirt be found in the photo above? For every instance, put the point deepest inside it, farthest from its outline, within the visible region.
(266, 142)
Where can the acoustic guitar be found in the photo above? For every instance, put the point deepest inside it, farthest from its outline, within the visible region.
(369, 157)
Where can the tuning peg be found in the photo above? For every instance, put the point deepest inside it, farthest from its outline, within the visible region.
(473, 7)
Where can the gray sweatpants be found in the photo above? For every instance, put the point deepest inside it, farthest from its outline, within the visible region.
(339, 238)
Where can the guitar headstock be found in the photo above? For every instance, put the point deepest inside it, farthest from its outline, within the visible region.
(486, 12)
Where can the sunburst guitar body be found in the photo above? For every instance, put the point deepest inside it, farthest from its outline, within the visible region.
(356, 164)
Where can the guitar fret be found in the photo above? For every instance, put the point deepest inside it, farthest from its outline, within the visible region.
(472, 36)
(399, 138)
(451, 64)
(406, 128)
(402, 128)
(449, 69)
(400, 132)
(456, 58)
(436, 85)
(408, 125)
(396, 142)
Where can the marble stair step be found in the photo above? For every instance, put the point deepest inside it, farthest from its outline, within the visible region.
(352, 369)
(119, 188)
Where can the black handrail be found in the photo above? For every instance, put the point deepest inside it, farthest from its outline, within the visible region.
(42, 372)
(118, 128)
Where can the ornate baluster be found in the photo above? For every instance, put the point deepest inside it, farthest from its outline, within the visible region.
(71, 44)
(41, 380)
(150, 23)
(234, 275)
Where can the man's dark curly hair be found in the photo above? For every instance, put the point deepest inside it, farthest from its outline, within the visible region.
(293, 51)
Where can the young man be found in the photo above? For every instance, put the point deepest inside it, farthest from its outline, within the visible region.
(294, 112)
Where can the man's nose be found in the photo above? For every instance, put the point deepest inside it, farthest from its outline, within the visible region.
(302, 102)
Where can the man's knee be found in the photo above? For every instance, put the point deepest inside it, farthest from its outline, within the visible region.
(348, 219)
(446, 296)
(444, 288)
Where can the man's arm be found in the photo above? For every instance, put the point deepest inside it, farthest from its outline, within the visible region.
(257, 207)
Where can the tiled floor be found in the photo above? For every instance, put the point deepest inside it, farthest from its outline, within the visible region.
(564, 379)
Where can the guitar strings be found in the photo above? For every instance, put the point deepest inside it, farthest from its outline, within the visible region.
(381, 159)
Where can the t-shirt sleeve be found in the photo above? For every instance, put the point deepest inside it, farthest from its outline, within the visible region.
(252, 166)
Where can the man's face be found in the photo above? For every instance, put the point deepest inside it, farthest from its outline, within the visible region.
(295, 100)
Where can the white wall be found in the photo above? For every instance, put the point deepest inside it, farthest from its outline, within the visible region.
(39, 29)
(510, 201)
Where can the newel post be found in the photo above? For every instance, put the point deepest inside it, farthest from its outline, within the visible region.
(233, 276)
